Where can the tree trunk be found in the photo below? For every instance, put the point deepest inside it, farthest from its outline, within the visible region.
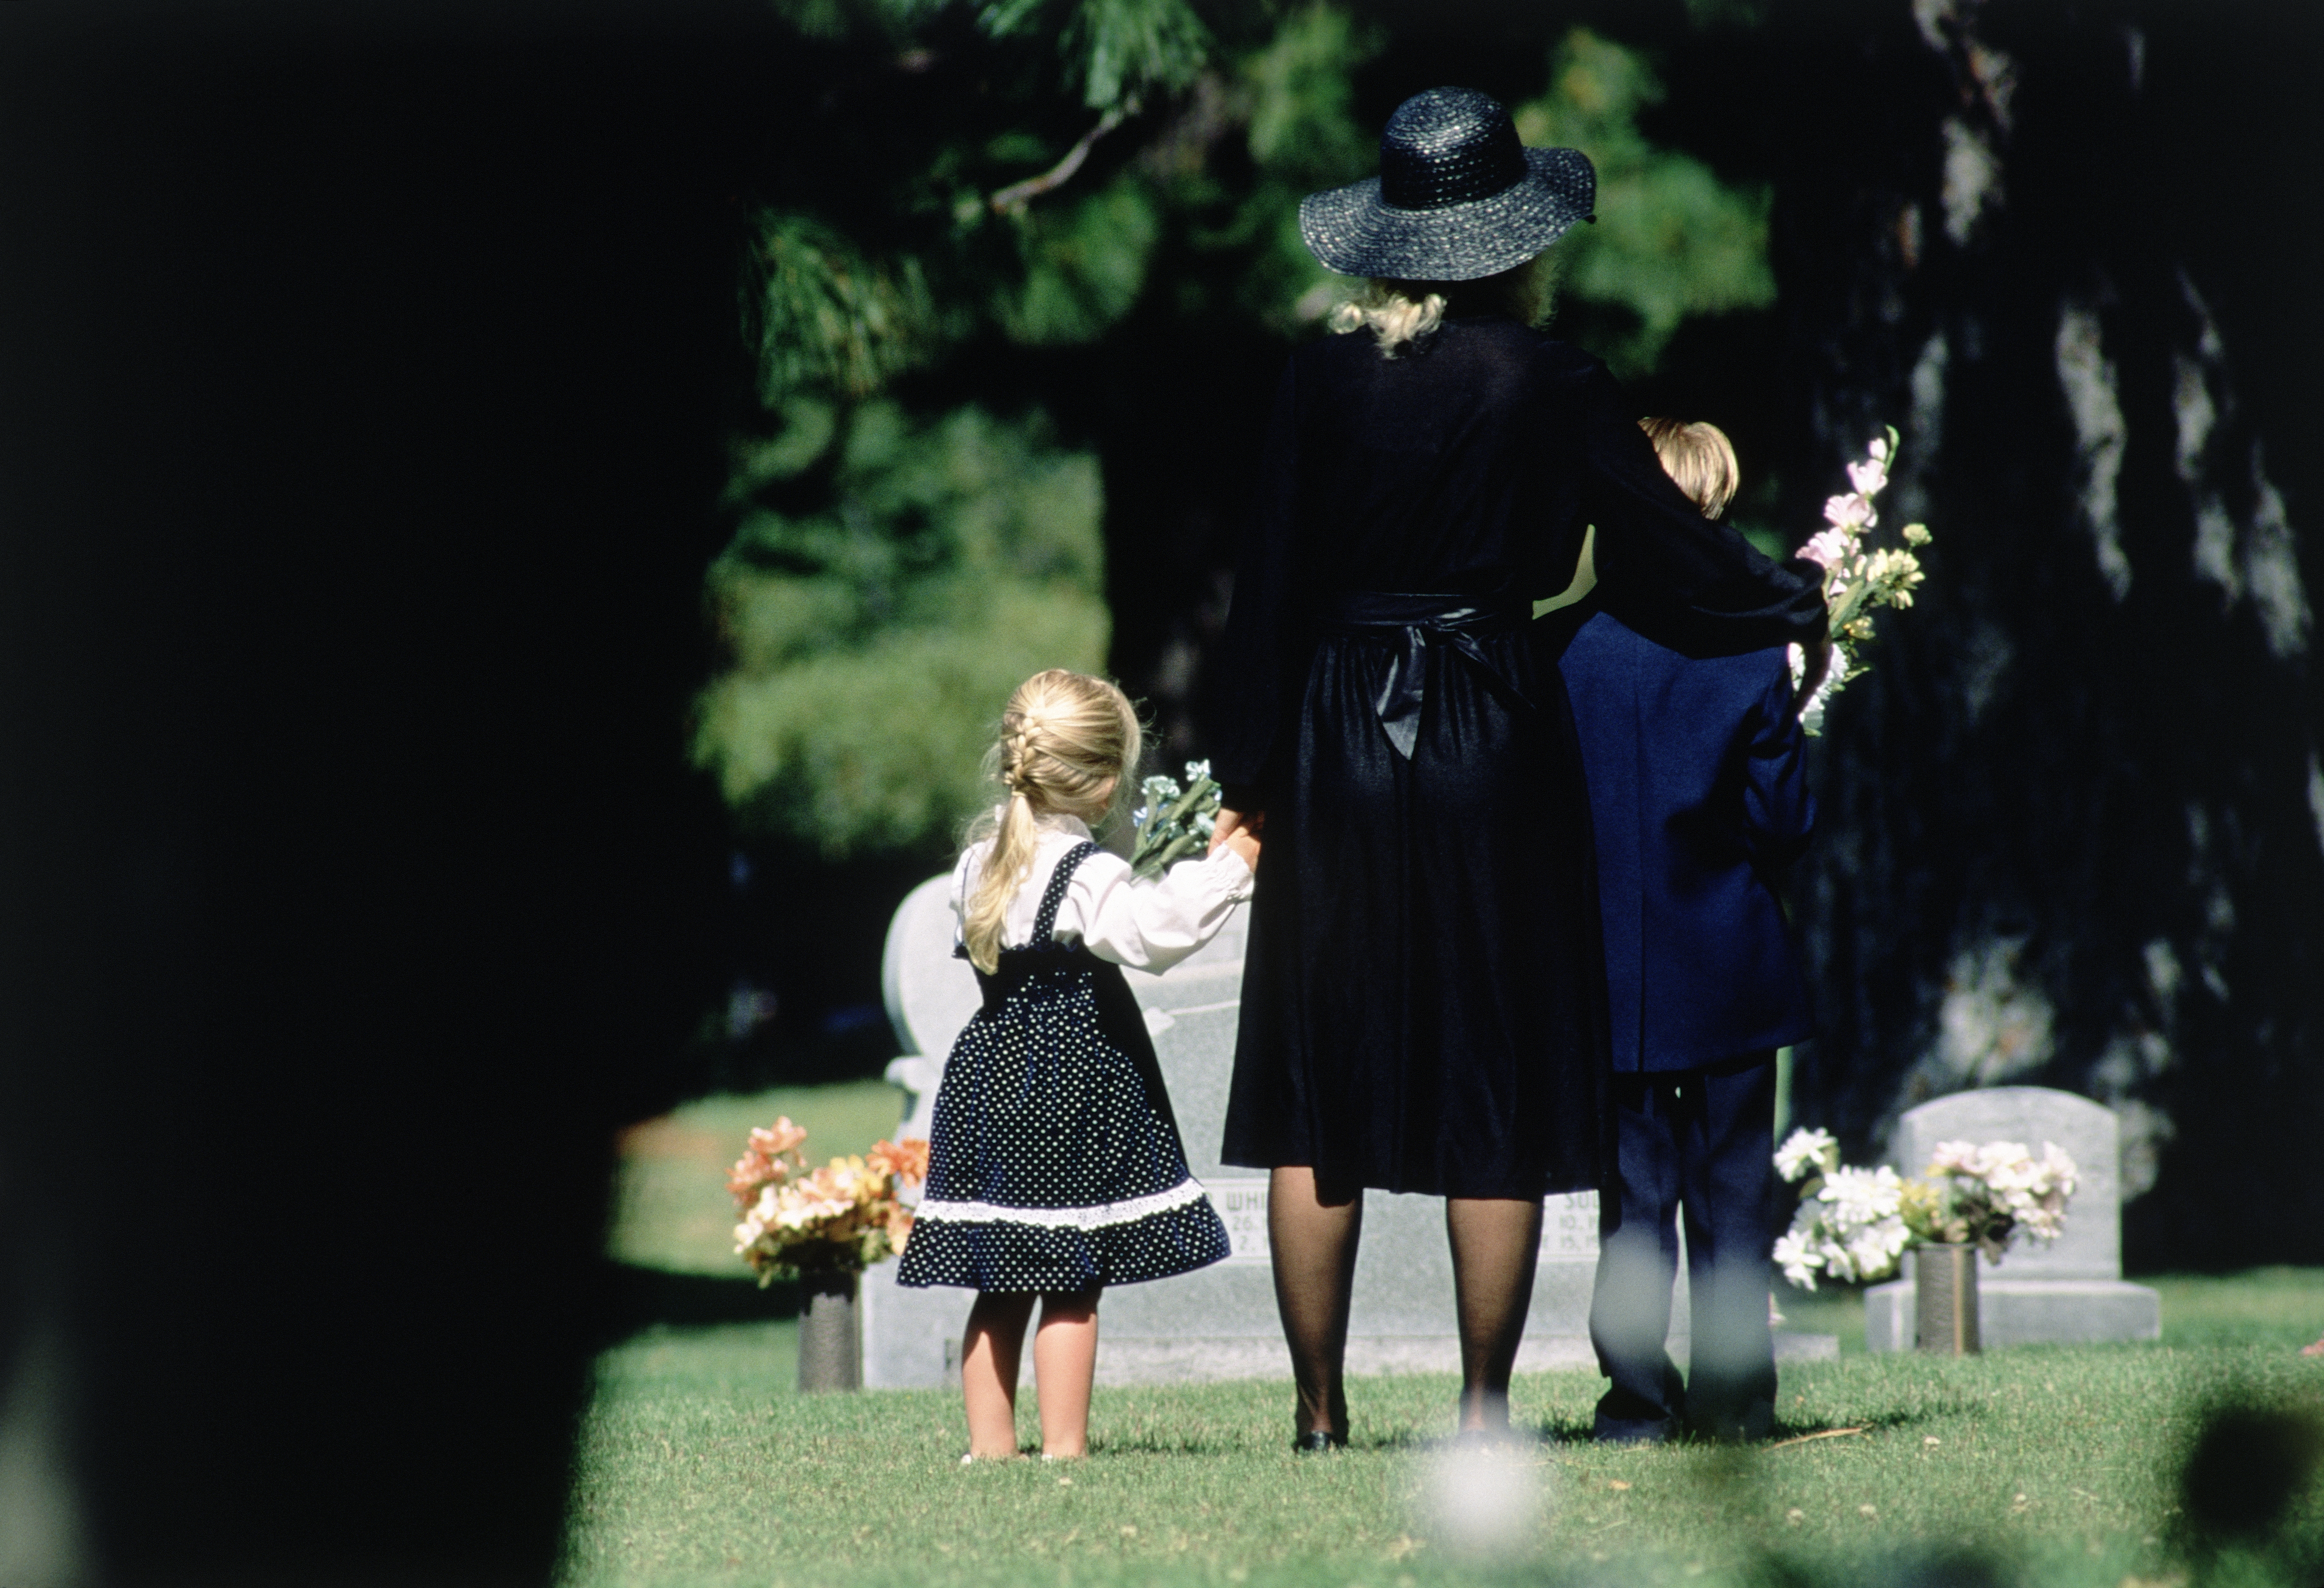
(2072, 822)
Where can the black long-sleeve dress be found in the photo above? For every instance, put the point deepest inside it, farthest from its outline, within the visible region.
(1423, 996)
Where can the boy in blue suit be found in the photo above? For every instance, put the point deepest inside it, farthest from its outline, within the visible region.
(1699, 798)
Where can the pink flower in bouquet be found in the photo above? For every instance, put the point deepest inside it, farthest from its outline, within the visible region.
(1869, 478)
(1848, 513)
(777, 1138)
(1954, 1157)
(907, 1159)
(1828, 548)
(761, 1163)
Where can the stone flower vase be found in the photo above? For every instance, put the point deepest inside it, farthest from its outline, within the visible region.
(831, 1335)
(1944, 1295)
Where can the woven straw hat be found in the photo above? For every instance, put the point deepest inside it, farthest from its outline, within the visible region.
(1457, 198)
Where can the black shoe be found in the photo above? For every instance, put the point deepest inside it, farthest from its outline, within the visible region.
(1318, 1442)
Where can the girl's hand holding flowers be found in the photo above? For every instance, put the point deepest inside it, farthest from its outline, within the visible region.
(1173, 823)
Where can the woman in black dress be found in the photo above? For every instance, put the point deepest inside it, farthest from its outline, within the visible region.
(1423, 996)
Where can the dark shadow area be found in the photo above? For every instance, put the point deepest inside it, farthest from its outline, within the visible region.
(638, 1298)
(364, 371)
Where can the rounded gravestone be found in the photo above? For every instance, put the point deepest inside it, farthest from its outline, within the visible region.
(929, 994)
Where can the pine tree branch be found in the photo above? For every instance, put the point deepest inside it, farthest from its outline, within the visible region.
(1017, 195)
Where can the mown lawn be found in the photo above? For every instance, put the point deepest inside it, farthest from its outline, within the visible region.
(697, 1464)
(2057, 1466)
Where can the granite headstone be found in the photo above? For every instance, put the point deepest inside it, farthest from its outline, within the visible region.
(2070, 1290)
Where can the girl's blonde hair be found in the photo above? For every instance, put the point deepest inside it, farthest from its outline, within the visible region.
(1068, 743)
(1398, 313)
(1700, 457)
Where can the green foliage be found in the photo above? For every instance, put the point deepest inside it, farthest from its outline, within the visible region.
(1302, 136)
(1115, 50)
(827, 316)
(1671, 240)
(901, 560)
(875, 634)
(1084, 262)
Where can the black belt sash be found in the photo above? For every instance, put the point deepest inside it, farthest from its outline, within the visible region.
(1456, 621)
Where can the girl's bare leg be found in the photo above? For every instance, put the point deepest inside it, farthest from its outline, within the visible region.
(1064, 1362)
(989, 1356)
(1495, 1246)
(1314, 1247)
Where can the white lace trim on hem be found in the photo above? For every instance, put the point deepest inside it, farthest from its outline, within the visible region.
(1104, 1215)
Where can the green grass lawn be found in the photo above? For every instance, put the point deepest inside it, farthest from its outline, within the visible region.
(699, 1464)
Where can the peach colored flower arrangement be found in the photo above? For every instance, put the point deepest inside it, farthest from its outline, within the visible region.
(838, 1219)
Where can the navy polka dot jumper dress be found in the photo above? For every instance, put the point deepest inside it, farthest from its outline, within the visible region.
(1055, 1163)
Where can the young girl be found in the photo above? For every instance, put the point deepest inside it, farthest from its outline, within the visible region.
(1055, 1167)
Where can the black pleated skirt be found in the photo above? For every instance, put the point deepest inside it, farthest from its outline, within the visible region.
(1423, 996)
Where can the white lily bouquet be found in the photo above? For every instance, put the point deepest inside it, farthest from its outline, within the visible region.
(1855, 578)
(1854, 1225)
(1851, 1223)
(1173, 823)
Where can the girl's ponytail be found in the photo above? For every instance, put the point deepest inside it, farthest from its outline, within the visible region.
(1068, 743)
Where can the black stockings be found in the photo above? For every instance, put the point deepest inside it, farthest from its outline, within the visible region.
(1495, 1245)
(1314, 1247)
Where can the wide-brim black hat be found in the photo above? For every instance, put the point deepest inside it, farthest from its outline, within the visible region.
(1457, 198)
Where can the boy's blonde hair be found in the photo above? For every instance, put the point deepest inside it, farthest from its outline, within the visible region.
(1700, 457)
(1067, 744)
(1400, 312)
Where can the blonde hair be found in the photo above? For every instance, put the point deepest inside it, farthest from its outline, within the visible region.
(1067, 744)
(1700, 457)
(1400, 312)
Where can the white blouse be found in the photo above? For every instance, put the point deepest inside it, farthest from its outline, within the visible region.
(1149, 926)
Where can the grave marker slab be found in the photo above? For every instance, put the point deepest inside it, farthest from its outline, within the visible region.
(2069, 1291)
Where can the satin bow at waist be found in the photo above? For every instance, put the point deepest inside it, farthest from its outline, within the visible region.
(1419, 621)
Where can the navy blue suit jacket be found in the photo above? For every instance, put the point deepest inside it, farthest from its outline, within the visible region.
(1699, 797)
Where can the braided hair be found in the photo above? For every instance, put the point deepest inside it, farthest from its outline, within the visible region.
(1068, 744)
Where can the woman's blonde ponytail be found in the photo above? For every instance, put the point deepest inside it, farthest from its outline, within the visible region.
(1068, 741)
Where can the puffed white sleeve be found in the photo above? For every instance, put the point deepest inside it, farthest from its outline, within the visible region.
(964, 876)
(1152, 926)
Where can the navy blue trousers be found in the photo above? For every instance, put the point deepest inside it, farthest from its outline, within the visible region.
(1698, 1145)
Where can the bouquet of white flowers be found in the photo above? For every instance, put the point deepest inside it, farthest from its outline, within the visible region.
(1987, 1196)
(1851, 1223)
(1173, 823)
(1854, 1225)
(1855, 578)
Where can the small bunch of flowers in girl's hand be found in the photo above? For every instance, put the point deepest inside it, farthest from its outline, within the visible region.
(1855, 579)
(837, 1219)
(1987, 1196)
(1173, 823)
(1851, 1223)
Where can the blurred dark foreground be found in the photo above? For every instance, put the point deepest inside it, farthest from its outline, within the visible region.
(361, 397)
